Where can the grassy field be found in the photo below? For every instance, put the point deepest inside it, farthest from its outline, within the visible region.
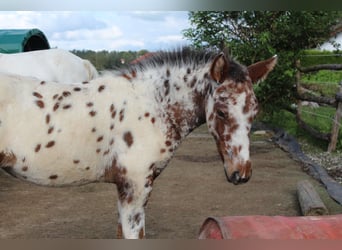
(323, 83)
(318, 118)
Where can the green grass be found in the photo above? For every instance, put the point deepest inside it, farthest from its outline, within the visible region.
(324, 83)
(318, 118)
(323, 76)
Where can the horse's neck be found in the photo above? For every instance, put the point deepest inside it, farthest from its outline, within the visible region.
(180, 95)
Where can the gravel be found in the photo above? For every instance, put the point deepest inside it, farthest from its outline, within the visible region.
(332, 162)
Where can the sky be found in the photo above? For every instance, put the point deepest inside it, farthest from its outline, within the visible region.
(107, 30)
(103, 30)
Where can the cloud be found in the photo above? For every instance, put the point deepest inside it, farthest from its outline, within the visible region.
(50, 21)
(103, 30)
(170, 39)
(154, 16)
(88, 34)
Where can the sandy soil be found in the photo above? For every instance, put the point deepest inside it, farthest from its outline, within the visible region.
(190, 189)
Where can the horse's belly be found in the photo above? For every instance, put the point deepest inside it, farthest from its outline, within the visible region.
(56, 175)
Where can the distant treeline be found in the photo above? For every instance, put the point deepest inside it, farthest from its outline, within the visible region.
(108, 60)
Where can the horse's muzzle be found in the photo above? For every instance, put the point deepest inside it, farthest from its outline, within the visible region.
(235, 177)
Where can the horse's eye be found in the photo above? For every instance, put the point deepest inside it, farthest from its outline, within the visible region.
(221, 114)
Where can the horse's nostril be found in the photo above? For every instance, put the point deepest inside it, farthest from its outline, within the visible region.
(244, 180)
(236, 177)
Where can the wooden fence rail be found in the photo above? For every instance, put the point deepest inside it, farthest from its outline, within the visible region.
(306, 95)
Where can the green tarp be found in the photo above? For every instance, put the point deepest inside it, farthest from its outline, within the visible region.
(22, 40)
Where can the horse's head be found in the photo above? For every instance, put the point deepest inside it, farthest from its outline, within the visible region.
(230, 110)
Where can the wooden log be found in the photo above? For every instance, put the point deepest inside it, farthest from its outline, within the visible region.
(309, 200)
(320, 67)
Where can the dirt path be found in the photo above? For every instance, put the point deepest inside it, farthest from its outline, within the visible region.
(190, 189)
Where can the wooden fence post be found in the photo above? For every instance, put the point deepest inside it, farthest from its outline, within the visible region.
(299, 91)
(337, 120)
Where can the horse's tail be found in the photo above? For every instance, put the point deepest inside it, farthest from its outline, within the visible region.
(92, 72)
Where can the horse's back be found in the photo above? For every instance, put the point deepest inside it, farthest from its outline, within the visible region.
(49, 65)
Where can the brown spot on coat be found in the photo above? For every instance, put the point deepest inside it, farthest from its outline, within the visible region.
(47, 118)
(106, 152)
(53, 177)
(167, 87)
(147, 114)
(122, 115)
(98, 150)
(50, 144)
(56, 106)
(127, 77)
(93, 130)
(50, 130)
(67, 106)
(24, 168)
(85, 82)
(112, 108)
(111, 127)
(153, 120)
(36, 94)
(66, 93)
(101, 88)
(40, 104)
(168, 143)
(37, 148)
(89, 104)
(77, 89)
(128, 138)
(193, 82)
(76, 161)
(92, 113)
(55, 97)
(111, 142)
(168, 73)
(163, 150)
(42, 82)
(100, 138)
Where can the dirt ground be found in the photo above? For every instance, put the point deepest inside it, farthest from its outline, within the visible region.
(190, 189)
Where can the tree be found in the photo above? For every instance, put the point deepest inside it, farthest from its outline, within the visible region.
(256, 35)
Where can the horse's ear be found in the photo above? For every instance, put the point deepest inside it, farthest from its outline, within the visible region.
(219, 68)
(259, 71)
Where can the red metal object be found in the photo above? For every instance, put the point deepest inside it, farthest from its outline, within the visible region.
(272, 227)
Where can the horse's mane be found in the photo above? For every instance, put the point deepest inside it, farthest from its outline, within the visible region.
(177, 57)
(184, 56)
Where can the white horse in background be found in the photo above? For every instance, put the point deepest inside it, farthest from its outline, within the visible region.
(55, 65)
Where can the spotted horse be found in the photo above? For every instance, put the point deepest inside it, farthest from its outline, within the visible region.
(124, 128)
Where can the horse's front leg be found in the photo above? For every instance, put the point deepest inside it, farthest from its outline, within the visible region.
(133, 197)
